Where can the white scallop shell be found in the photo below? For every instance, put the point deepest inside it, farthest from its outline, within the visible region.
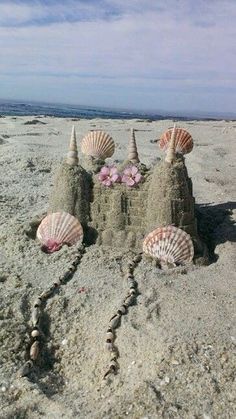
(98, 144)
(57, 229)
(170, 245)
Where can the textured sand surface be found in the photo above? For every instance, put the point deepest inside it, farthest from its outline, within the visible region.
(176, 344)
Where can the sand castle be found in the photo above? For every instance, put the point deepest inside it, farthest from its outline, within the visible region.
(120, 215)
(119, 207)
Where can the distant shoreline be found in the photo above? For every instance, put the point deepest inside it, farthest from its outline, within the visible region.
(12, 108)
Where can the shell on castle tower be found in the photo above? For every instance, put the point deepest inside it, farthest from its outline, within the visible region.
(98, 144)
(132, 151)
(170, 152)
(170, 245)
(183, 141)
(72, 155)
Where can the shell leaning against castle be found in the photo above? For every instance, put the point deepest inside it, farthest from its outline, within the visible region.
(128, 206)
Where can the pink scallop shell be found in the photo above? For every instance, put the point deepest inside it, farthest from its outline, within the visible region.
(57, 229)
(169, 245)
(183, 141)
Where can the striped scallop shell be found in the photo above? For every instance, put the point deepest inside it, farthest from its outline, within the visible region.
(170, 245)
(183, 141)
(57, 229)
(98, 144)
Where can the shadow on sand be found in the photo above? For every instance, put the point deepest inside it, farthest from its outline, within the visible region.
(216, 225)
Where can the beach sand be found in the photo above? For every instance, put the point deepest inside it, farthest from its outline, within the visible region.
(176, 344)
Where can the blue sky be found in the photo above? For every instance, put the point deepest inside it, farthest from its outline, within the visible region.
(172, 55)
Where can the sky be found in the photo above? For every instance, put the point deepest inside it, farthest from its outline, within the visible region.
(172, 55)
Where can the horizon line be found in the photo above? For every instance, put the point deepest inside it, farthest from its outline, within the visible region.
(147, 112)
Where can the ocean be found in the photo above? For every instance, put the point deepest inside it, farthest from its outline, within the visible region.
(73, 111)
(70, 111)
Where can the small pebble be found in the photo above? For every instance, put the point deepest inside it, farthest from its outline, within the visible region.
(3, 389)
(233, 338)
(64, 342)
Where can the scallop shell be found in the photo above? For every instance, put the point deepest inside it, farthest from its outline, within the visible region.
(170, 245)
(183, 141)
(57, 229)
(98, 144)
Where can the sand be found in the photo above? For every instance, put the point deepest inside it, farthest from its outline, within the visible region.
(176, 344)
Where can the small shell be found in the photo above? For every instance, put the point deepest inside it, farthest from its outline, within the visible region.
(170, 245)
(25, 370)
(98, 144)
(72, 156)
(132, 151)
(34, 351)
(57, 229)
(36, 313)
(170, 152)
(183, 141)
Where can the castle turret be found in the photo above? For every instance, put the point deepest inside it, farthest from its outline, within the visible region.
(170, 199)
(71, 191)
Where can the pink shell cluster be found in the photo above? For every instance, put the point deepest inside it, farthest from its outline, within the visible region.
(57, 229)
(170, 245)
(183, 141)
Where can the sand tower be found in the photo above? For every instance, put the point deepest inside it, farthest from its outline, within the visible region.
(71, 192)
(170, 199)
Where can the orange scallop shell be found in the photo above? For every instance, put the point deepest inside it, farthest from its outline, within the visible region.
(183, 141)
(98, 144)
(170, 245)
(57, 229)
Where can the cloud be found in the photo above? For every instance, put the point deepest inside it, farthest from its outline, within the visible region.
(44, 12)
(179, 46)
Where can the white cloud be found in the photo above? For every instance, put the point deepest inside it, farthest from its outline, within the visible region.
(178, 48)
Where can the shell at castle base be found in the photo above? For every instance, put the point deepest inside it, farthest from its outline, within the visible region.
(183, 141)
(98, 144)
(170, 245)
(57, 229)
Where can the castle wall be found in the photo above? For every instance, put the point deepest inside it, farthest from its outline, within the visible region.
(118, 214)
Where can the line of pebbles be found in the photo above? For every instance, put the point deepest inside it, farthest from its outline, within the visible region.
(115, 320)
(37, 311)
(38, 306)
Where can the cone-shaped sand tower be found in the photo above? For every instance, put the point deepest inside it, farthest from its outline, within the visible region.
(170, 199)
(71, 186)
